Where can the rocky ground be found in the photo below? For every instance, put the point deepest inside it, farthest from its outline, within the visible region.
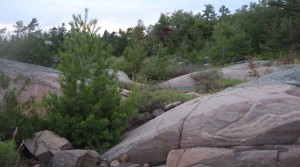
(253, 124)
(225, 127)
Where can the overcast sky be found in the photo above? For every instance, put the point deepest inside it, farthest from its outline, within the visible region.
(111, 14)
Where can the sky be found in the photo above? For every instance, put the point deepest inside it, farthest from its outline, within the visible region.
(112, 15)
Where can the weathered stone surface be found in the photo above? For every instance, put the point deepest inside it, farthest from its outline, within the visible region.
(124, 78)
(241, 71)
(238, 71)
(187, 83)
(261, 112)
(182, 83)
(41, 79)
(74, 158)
(281, 155)
(172, 105)
(44, 144)
(44, 80)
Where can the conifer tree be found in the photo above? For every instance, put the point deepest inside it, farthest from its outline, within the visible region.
(88, 111)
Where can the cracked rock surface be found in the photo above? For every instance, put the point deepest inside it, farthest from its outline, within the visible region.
(278, 155)
(265, 111)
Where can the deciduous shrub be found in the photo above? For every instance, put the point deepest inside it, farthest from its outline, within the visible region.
(213, 81)
(8, 154)
(148, 101)
(4, 80)
(14, 113)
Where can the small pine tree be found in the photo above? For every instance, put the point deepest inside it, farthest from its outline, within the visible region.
(88, 111)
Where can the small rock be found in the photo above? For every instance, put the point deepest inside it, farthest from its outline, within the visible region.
(172, 105)
(146, 165)
(115, 163)
(157, 112)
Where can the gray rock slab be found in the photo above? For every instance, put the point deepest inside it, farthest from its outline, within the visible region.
(44, 144)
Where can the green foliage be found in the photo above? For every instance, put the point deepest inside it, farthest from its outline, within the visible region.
(16, 114)
(148, 101)
(265, 28)
(88, 112)
(134, 56)
(212, 81)
(155, 68)
(8, 154)
(28, 45)
(4, 80)
(230, 44)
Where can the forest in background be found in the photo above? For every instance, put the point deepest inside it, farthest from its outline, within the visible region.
(264, 30)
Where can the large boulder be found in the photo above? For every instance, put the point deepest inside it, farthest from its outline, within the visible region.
(44, 144)
(237, 71)
(187, 83)
(242, 71)
(279, 155)
(36, 80)
(265, 111)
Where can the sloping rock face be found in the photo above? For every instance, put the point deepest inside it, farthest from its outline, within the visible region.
(40, 80)
(237, 71)
(261, 112)
(187, 83)
(282, 155)
(43, 80)
(242, 71)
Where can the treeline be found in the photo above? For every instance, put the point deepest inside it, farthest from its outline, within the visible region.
(30, 44)
(268, 30)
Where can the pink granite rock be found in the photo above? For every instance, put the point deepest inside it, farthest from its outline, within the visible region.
(36, 80)
(263, 112)
(279, 155)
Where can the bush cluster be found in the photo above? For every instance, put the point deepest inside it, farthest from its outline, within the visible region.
(12, 115)
(8, 154)
(212, 81)
(147, 101)
(4, 80)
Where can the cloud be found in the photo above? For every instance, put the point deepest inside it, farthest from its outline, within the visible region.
(111, 14)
